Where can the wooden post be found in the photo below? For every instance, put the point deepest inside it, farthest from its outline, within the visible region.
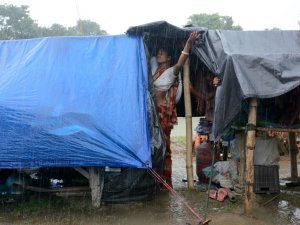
(250, 146)
(188, 121)
(242, 160)
(225, 152)
(293, 154)
(96, 180)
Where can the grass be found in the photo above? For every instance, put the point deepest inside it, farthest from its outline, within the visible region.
(40, 205)
(292, 195)
(179, 139)
(35, 206)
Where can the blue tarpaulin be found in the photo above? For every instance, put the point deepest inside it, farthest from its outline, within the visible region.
(74, 101)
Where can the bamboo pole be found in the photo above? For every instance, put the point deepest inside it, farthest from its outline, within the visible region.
(242, 161)
(188, 121)
(293, 155)
(250, 146)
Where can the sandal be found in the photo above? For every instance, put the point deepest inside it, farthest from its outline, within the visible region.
(213, 194)
(222, 193)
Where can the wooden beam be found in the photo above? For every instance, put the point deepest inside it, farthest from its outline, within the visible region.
(293, 155)
(250, 146)
(295, 130)
(96, 179)
(188, 121)
(82, 171)
(72, 194)
(61, 190)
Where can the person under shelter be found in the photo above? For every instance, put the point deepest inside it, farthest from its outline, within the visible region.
(165, 81)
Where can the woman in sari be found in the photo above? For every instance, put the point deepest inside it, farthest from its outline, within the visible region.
(165, 80)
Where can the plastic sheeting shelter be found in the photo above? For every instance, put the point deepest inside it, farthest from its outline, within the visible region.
(74, 101)
(260, 64)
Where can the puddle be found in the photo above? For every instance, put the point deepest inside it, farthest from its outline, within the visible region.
(165, 209)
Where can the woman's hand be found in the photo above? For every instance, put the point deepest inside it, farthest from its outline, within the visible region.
(185, 52)
(216, 81)
(193, 36)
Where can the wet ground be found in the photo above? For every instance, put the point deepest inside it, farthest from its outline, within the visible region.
(165, 209)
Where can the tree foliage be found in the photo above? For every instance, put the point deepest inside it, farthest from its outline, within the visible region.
(273, 29)
(213, 21)
(16, 23)
(87, 27)
(55, 30)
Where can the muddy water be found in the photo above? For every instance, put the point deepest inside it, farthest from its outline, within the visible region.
(166, 209)
(284, 164)
(284, 209)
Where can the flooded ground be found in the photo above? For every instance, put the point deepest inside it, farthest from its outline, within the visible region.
(165, 209)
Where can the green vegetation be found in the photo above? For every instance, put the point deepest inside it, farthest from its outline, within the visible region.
(16, 23)
(179, 139)
(213, 21)
(291, 195)
(43, 206)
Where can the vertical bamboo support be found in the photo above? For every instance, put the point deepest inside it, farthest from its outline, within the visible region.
(293, 154)
(188, 121)
(242, 161)
(250, 146)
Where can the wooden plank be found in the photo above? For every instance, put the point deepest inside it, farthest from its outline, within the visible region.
(73, 194)
(279, 129)
(188, 120)
(293, 155)
(295, 130)
(63, 189)
(250, 145)
(82, 171)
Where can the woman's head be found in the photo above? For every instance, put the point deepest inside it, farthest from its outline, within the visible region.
(163, 56)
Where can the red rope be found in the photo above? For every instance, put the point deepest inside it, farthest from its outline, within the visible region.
(156, 176)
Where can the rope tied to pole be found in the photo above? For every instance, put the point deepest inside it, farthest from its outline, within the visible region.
(250, 127)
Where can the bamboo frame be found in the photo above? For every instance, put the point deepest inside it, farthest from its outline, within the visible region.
(250, 145)
(188, 119)
(242, 164)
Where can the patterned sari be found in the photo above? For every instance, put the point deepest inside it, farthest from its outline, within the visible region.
(168, 118)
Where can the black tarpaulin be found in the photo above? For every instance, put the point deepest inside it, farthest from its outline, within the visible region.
(261, 64)
(161, 33)
(163, 29)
